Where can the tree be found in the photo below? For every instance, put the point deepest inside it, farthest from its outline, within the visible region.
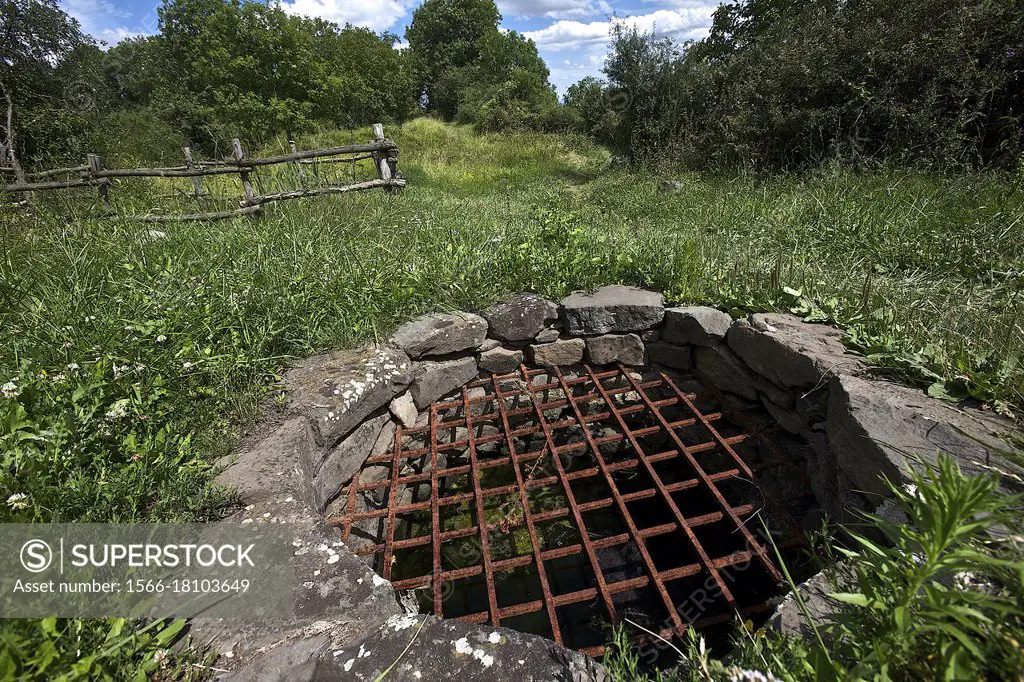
(38, 38)
(447, 34)
(794, 83)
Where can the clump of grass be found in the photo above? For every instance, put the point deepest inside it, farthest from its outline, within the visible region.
(66, 649)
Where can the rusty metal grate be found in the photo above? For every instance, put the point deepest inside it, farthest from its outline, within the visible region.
(629, 449)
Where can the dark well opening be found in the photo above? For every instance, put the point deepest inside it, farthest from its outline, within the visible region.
(563, 501)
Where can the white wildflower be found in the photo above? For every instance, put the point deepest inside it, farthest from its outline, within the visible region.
(739, 675)
(10, 390)
(17, 501)
(73, 366)
(186, 365)
(161, 338)
(117, 411)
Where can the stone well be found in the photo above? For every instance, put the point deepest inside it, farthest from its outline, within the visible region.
(769, 374)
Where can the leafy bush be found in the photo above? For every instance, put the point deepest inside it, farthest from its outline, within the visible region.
(783, 84)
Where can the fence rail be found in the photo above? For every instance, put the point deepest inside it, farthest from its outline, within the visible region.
(382, 151)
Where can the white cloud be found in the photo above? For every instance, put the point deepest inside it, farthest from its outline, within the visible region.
(93, 14)
(683, 24)
(112, 36)
(554, 9)
(377, 15)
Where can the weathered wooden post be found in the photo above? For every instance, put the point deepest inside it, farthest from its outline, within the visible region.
(95, 164)
(243, 172)
(378, 136)
(386, 162)
(197, 184)
(298, 162)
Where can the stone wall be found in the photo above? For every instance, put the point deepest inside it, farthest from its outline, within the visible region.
(344, 407)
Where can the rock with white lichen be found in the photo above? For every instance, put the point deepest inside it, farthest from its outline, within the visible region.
(336, 392)
(421, 647)
(520, 317)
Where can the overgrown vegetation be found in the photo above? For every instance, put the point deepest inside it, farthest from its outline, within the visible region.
(220, 69)
(795, 83)
(120, 347)
(941, 602)
(777, 84)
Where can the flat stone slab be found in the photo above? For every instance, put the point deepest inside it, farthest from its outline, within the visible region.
(418, 648)
(338, 599)
(336, 392)
(501, 360)
(613, 348)
(344, 460)
(440, 334)
(695, 325)
(520, 317)
(789, 618)
(277, 466)
(434, 379)
(791, 352)
(558, 353)
(877, 428)
(613, 308)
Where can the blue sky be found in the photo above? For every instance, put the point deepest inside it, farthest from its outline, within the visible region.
(572, 35)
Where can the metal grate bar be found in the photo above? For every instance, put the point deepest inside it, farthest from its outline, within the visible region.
(435, 516)
(615, 402)
(602, 587)
(638, 538)
(528, 517)
(389, 545)
(708, 483)
(666, 496)
(481, 521)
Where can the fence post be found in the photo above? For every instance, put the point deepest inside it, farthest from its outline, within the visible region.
(378, 136)
(95, 164)
(197, 185)
(386, 162)
(298, 162)
(236, 145)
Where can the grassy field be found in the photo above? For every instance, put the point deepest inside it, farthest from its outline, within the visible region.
(135, 358)
(129, 361)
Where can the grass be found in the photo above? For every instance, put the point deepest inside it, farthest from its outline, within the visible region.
(128, 361)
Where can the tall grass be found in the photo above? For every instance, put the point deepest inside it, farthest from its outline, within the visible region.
(174, 337)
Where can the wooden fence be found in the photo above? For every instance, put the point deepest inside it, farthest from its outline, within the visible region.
(382, 151)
